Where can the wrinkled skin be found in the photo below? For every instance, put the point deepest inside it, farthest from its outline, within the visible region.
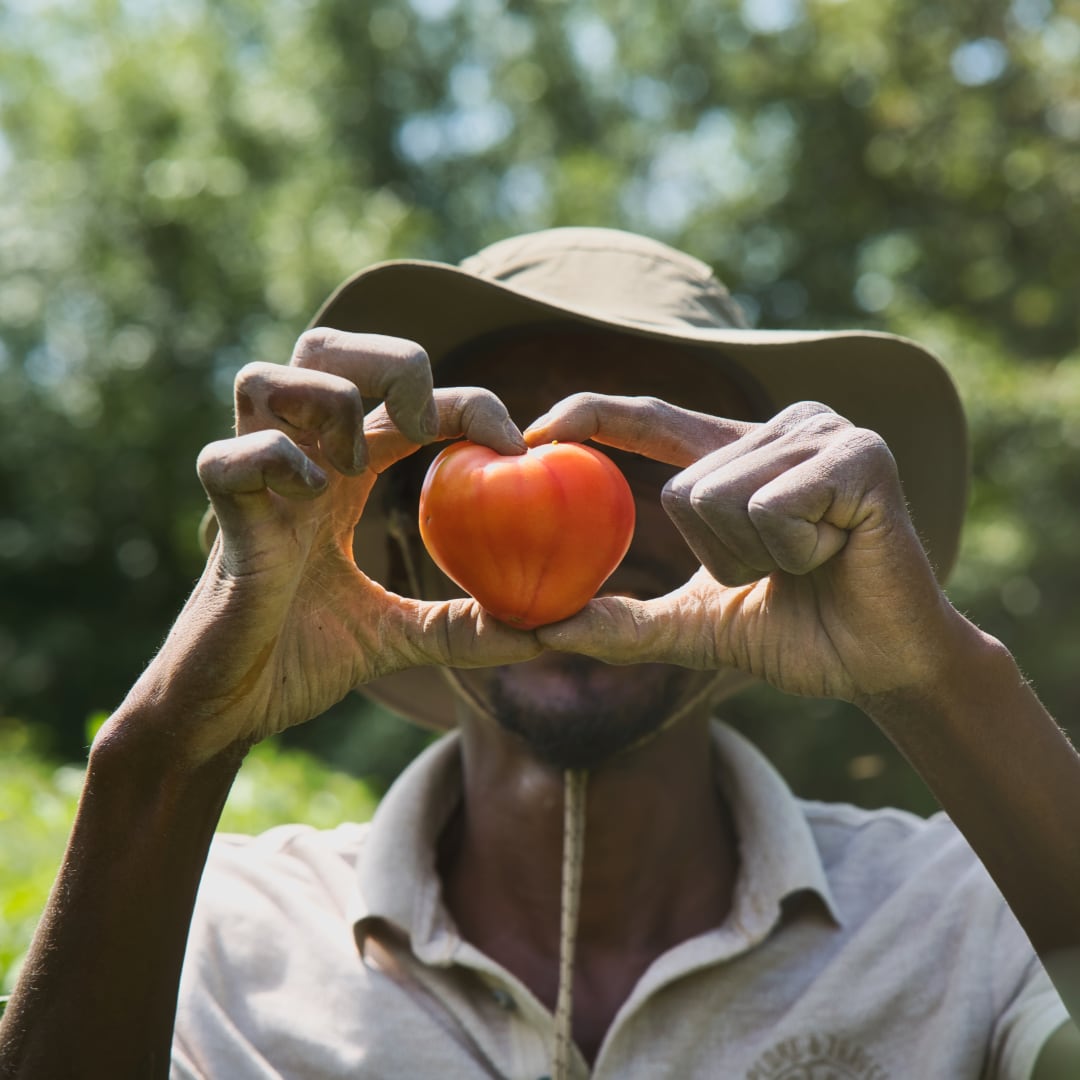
(812, 577)
(282, 624)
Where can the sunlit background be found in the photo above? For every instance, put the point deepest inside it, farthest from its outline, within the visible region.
(182, 183)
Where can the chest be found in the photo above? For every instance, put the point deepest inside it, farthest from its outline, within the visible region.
(767, 1014)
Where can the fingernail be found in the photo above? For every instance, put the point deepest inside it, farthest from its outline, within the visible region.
(514, 436)
(538, 423)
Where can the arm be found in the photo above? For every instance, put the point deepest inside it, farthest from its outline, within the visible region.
(280, 626)
(1006, 775)
(99, 983)
(1009, 779)
(814, 580)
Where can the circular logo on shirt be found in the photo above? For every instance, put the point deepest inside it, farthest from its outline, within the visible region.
(816, 1057)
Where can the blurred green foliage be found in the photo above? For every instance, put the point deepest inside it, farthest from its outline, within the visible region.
(181, 184)
(38, 796)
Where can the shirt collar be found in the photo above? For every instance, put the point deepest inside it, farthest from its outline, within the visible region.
(399, 882)
(778, 857)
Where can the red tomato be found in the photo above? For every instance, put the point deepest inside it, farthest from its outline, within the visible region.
(531, 537)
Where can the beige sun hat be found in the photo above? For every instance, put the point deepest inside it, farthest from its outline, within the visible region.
(625, 283)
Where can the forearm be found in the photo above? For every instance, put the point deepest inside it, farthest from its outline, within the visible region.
(1006, 774)
(99, 984)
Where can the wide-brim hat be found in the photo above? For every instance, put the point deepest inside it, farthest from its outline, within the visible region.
(627, 284)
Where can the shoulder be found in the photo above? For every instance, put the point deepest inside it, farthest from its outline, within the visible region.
(888, 836)
(285, 843)
(889, 857)
(912, 889)
(271, 954)
(262, 895)
(286, 865)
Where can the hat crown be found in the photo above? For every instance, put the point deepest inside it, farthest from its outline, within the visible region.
(611, 273)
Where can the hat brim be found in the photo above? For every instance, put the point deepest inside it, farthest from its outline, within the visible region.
(880, 381)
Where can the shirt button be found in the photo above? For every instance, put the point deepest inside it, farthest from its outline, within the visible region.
(503, 998)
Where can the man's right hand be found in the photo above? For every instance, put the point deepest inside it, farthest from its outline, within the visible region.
(282, 624)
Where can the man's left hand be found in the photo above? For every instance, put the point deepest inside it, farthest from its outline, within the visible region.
(813, 577)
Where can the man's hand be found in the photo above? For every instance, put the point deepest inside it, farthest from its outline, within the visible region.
(282, 624)
(812, 578)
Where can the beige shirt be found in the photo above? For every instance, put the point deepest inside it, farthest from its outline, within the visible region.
(860, 946)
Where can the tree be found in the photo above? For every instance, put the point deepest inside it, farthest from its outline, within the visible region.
(182, 184)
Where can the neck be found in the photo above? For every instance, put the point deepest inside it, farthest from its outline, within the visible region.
(659, 865)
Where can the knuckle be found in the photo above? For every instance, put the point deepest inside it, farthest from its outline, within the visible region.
(801, 411)
(467, 409)
(311, 345)
(402, 361)
(675, 496)
(763, 511)
(255, 449)
(718, 495)
(703, 497)
(350, 401)
(251, 385)
(650, 405)
(584, 401)
(645, 413)
(809, 414)
(476, 397)
(208, 463)
(830, 424)
(870, 447)
(412, 356)
(252, 372)
(867, 441)
(478, 403)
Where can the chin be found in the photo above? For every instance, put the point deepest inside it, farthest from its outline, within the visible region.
(576, 713)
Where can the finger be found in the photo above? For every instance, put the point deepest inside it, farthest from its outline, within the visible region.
(240, 474)
(320, 412)
(470, 412)
(733, 556)
(793, 428)
(792, 525)
(390, 368)
(621, 630)
(454, 633)
(641, 425)
(806, 515)
(710, 501)
(709, 504)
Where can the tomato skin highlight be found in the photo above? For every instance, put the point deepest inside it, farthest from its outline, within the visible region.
(532, 536)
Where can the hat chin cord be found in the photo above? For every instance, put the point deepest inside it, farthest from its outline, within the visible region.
(575, 784)
(397, 531)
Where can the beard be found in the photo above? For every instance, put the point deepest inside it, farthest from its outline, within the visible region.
(577, 713)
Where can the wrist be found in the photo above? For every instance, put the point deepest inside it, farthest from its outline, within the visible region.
(965, 666)
(150, 739)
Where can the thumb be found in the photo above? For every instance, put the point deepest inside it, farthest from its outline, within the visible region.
(456, 633)
(621, 630)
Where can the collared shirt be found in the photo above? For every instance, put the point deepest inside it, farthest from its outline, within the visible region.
(861, 945)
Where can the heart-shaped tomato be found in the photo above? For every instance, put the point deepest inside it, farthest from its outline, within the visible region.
(531, 537)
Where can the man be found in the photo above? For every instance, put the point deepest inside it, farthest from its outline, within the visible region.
(723, 927)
